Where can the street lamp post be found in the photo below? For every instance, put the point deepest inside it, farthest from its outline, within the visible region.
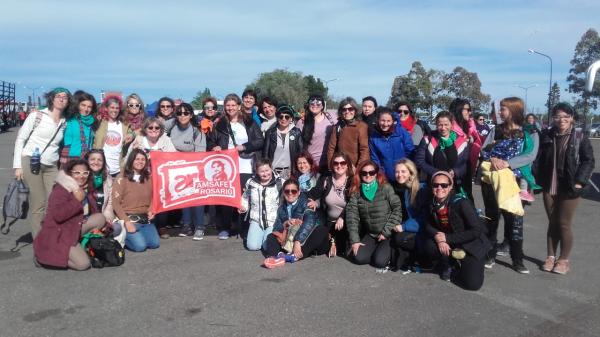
(532, 51)
(327, 88)
(33, 92)
(526, 88)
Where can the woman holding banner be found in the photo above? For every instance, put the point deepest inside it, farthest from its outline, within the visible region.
(236, 130)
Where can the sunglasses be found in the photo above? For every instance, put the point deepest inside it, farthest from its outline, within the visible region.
(368, 173)
(206, 107)
(442, 185)
(404, 111)
(481, 119)
(131, 105)
(166, 106)
(80, 173)
(151, 127)
(286, 117)
(350, 109)
(340, 163)
(182, 113)
(290, 191)
(315, 102)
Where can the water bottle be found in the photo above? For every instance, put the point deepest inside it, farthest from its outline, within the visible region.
(35, 161)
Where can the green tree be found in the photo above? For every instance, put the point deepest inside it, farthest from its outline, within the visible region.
(315, 86)
(587, 51)
(415, 88)
(464, 84)
(554, 96)
(200, 96)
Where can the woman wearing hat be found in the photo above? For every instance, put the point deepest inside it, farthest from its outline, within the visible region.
(41, 134)
(564, 166)
(283, 142)
(456, 237)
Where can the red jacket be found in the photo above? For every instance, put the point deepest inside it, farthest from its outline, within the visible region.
(61, 227)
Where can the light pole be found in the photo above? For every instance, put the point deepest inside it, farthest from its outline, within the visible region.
(327, 88)
(33, 92)
(532, 51)
(526, 88)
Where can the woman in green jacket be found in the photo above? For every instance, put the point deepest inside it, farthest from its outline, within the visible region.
(372, 211)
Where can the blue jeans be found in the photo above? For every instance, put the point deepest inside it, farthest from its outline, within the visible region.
(145, 236)
(257, 236)
(193, 216)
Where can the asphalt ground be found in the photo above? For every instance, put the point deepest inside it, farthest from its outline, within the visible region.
(216, 288)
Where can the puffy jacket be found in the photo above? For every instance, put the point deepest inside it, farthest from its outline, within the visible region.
(294, 138)
(310, 219)
(220, 137)
(387, 150)
(578, 165)
(426, 150)
(262, 201)
(373, 217)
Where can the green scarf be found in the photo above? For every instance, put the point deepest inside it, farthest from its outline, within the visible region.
(87, 120)
(448, 142)
(369, 190)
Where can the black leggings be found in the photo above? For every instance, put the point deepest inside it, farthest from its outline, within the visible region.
(378, 253)
(404, 250)
(513, 224)
(468, 272)
(227, 215)
(317, 243)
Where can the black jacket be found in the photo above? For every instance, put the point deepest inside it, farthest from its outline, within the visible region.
(295, 139)
(578, 166)
(222, 130)
(468, 231)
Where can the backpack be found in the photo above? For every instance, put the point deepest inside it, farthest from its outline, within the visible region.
(16, 204)
(104, 251)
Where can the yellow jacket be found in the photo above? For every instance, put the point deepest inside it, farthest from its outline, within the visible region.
(505, 187)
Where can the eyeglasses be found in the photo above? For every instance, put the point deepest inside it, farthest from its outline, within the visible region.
(315, 102)
(368, 173)
(182, 113)
(481, 119)
(286, 117)
(64, 98)
(442, 185)
(153, 127)
(131, 105)
(166, 106)
(80, 173)
(404, 111)
(350, 109)
(208, 107)
(340, 163)
(290, 191)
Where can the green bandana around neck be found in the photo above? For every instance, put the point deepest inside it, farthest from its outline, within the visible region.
(87, 120)
(369, 189)
(448, 142)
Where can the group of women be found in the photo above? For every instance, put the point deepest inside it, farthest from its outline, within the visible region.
(370, 183)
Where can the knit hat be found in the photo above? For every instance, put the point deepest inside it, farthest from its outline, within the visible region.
(442, 173)
(285, 110)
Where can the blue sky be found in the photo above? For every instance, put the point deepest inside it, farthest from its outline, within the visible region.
(162, 48)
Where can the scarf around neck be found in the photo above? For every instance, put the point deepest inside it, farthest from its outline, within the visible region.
(369, 189)
(136, 121)
(409, 123)
(448, 142)
(87, 120)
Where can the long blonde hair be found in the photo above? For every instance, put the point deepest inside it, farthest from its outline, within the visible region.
(413, 182)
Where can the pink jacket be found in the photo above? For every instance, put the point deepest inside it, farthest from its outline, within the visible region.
(474, 140)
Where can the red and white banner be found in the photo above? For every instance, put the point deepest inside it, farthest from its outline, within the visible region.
(185, 179)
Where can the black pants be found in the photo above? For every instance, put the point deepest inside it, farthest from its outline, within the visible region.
(228, 218)
(404, 249)
(377, 253)
(316, 243)
(341, 238)
(513, 224)
(168, 218)
(468, 271)
(466, 182)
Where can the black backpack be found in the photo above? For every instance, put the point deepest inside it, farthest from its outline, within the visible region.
(16, 204)
(105, 252)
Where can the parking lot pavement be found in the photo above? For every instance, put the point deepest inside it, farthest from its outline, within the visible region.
(216, 288)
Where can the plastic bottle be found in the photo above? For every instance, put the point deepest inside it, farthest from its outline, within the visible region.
(35, 161)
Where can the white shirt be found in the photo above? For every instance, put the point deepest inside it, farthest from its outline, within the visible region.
(241, 137)
(39, 139)
(113, 146)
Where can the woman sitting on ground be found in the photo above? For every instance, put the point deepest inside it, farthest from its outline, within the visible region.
(132, 200)
(101, 183)
(297, 230)
(261, 198)
(71, 213)
(371, 215)
(306, 171)
(456, 236)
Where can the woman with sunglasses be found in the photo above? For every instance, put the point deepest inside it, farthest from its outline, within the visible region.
(409, 121)
(81, 125)
(350, 134)
(372, 212)
(101, 183)
(113, 135)
(283, 142)
(297, 231)
(135, 113)
(166, 106)
(482, 128)
(316, 129)
(456, 237)
(132, 202)
(564, 165)
(236, 130)
(267, 113)
(306, 171)
(209, 115)
(72, 212)
(153, 138)
(187, 138)
(443, 150)
(42, 132)
(389, 143)
(330, 195)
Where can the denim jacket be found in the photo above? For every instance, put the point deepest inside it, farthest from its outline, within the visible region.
(310, 219)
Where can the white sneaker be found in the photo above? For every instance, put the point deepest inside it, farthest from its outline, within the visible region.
(198, 235)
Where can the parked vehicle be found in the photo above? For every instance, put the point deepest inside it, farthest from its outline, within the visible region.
(594, 130)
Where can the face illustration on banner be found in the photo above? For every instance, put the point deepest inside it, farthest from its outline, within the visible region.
(217, 170)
